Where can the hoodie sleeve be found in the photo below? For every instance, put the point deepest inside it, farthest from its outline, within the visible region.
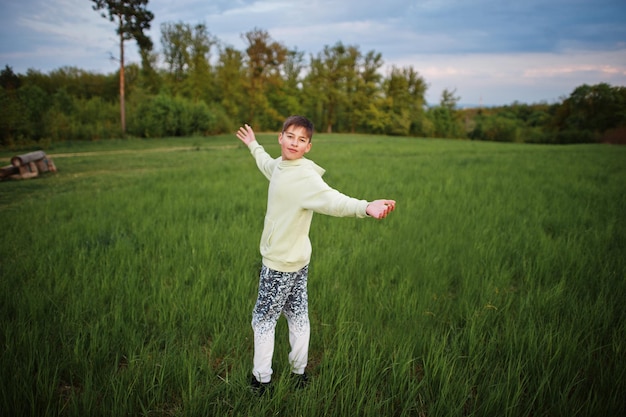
(264, 161)
(321, 198)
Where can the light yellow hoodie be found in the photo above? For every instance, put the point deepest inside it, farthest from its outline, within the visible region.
(296, 190)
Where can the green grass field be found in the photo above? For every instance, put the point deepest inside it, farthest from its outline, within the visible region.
(496, 288)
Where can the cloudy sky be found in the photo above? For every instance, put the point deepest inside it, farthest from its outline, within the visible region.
(492, 52)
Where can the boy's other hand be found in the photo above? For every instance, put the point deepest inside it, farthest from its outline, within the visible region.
(246, 134)
(379, 209)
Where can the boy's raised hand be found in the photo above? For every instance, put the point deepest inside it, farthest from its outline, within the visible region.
(379, 209)
(246, 134)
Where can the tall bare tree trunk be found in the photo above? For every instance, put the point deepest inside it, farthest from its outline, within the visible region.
(122, 100)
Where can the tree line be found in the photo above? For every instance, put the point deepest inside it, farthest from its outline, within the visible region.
(204, 87)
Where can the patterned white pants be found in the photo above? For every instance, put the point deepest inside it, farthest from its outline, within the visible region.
(281, 293)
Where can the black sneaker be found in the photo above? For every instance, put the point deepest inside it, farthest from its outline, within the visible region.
(300, 380)
(260, 388)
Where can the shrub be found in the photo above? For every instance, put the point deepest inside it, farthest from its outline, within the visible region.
(163, 115)
(496, 128)
(576, 136)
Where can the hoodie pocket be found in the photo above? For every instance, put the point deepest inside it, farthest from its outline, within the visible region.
(266, 237)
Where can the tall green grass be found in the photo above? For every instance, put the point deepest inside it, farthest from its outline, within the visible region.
(496, 288)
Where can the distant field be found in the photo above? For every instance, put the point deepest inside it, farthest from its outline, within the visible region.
(496, 288)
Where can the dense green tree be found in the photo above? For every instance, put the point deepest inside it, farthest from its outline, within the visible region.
(496, 128)
(265, 60)
(288, 99)
(8, 79)
(12, 114)
(132, 19)
(230, 79)
(187, 53)
(405, 89)
(596, 107)
(445, 118)
(368, 95)
(150, 80)
(77, 82)
(448, 99)
(200, 85)
(589, 112)
(351, 64)
(12, 120)
(326, 84)
(46, 81)
(313, 93)
(176, 40)
(36, 103)
(396, 89)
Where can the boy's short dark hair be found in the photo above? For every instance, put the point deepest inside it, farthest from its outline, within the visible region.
(299, 121)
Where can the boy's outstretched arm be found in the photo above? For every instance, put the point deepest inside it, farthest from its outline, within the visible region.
(246, 134)
(379, 209)
(264, 161)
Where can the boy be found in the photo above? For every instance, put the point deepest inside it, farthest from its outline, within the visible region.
(296, 190)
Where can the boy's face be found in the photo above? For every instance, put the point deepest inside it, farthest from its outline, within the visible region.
(294, 143)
